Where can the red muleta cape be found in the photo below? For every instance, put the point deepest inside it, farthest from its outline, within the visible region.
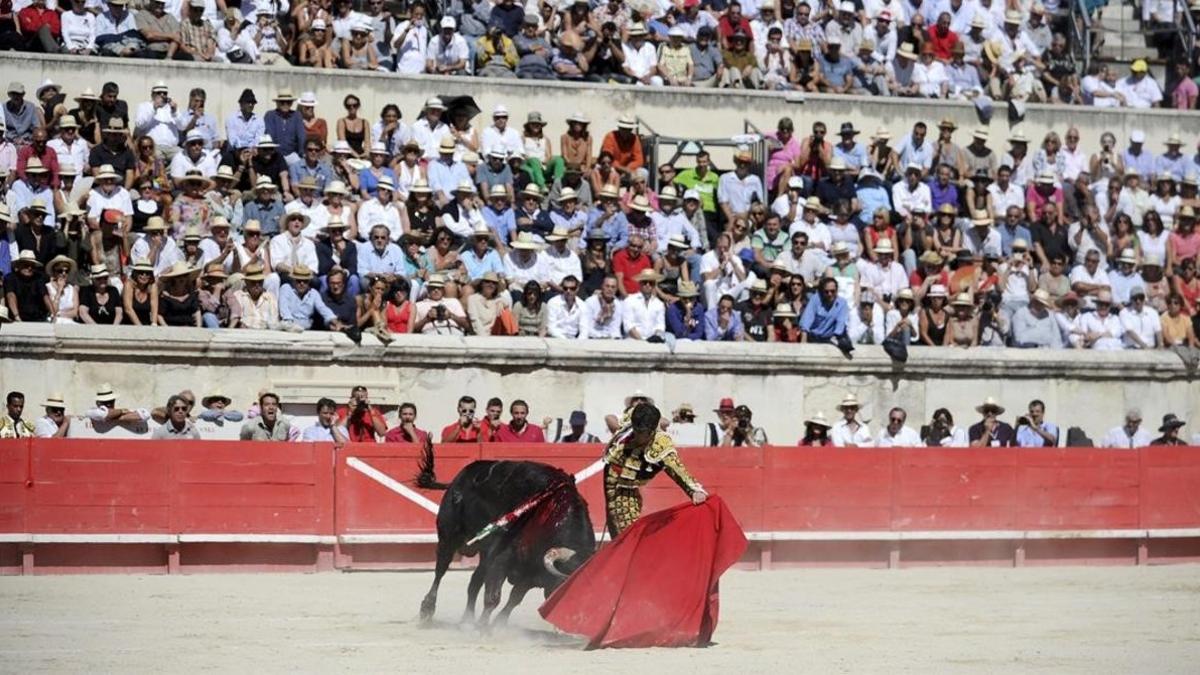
(656, 584)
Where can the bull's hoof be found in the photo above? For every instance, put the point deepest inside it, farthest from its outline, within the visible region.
(427, 609)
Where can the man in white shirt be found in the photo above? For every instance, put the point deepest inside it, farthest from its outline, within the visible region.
(308, 204)
(1102, 330)
(1143, 329)
(896, 434)
(910, 192)
(429, 131)
(500, 135)
(1100, 90)
(641, 59)
(156, 118)
(156, 247)
(848, 432)
(108, 194)
(291, 248)
(1090, 281)
(410, 43)
(602, 313)
(564, 312)
(1005, 193)
(738, 189)
(1139, 89)
(325, 429)
(68, 146)
(645, 316)
(929, 74)
(55, 423)
(561, 261)
(193, 158)
(800, 259)
(885, 276)
(1075, 159)
(447, 52)
(382, 209)
(723, 273)
(1129, 435)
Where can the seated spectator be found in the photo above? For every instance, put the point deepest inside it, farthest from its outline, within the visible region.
(197, 38)
(362, 420)
(896, 434)
(1101, 329)
(100, 303)
(438, 314)
(270, 424)
(518, 429)
(1177, 328)
(848, 432)
(300, 304)
(962, 330)
(41, 28)
(160, 30)
(1141, 326)
(529, 312)
(640, 62)
(406, 431)
(990, 431)
(326, 429)
(1130, 435)
(1170, 431)
(723, 323)
(1033, 431)
(177, 426)
(816, 432)
(825, 320)
(106, 414)
(1034, 324)
(686, 317)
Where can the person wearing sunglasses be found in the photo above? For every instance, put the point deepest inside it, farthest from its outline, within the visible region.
(177, 426)
(896, 433)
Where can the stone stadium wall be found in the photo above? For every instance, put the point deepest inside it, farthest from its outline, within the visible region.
(782, 383)
(676, 112)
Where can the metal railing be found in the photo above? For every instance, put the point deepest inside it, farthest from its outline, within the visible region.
(1081, 33)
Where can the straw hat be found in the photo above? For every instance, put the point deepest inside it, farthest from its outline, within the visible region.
(963, 300)
(1128, 256)
(525, 242)
(640, 204)
(197, 178)
(648, 275)
(849, 401)
(214, 270)
(54, 400)
(559, 234)
(253, 272)
(784, 311)
(436, 281)
(217, 395)
(818, 419)
(63, 260)
(26, 257)
(337, 187)
(936, 291)
(179, 269)
(420, 186)
(687, 289)
(142, 265)
(567, 194)
(1042, 297)
(989, 403)
(105, 393)
(301, 273)
(98, 271)
(814, 204)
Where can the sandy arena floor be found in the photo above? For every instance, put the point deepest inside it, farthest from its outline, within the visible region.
(1059, 620)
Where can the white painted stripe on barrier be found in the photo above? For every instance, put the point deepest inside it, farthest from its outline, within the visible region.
(256, 539)
(415, 538)
(392, 484)
(1086, 534)
(589, 471)
(14, 538)
(103, 538)
(1173, 533)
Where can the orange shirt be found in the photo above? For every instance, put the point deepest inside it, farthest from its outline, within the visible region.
(627, 155)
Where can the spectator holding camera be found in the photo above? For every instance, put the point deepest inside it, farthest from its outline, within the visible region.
(941, 432)
(738, 429)
(438, 314)
(362, 420)
(1033, 431)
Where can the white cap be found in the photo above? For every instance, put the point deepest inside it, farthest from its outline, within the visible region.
(500, 110)
(691, 194)
(795, 182)
(1137, 136)
(846, 7)
(449, 22)
(676, 31)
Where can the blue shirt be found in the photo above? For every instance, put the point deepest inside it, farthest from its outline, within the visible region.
(1007, 237)
(836, 72)
(1143, 162)
(503, 223)
(370, 261)
(476, 267)
(1026, 438)
(370, 182)
(822, 322)
(299, 311)
(268, 215)
(615, 228)
(870, 198)
(910, 154)
(243, 133)
(855, 158)
(712, 330)
(322, 173)
(288, 131)
(676, 325)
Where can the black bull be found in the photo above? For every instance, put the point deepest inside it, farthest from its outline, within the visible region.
(538, 550)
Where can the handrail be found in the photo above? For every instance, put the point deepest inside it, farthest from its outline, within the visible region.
(1081, 29)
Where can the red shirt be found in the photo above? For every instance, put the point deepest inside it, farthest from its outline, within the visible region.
(361, 430)
(468, 435)
(488, 432)
(628, 268)
(49, 160)
(399, 435)
(918, 277)
(32, 19)
(530, 434)
(726, 28)
(942, 44)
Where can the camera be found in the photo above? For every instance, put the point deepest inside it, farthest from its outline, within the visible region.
(439, 312)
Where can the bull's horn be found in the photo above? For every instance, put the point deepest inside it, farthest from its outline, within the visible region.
(554, 555)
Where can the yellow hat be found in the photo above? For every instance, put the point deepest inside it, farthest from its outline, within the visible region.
(1139, 66)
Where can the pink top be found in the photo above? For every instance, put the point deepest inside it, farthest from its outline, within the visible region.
(1184, 96)
(1032, 196)
(1185, 247)
(782, 157)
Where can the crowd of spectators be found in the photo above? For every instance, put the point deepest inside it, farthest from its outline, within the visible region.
(155, 213)
(963, 49)
(360, 420)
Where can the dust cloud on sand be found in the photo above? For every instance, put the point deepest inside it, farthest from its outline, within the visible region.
(962, 620)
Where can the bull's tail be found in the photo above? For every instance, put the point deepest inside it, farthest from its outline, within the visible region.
(426, 476)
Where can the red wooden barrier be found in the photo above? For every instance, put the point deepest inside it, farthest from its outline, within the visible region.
(72, 493)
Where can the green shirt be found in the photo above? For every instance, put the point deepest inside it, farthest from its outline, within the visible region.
(770, 248)
(256, 430)
(707, 187)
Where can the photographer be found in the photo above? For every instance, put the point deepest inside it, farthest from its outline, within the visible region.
(740, 431)
(363, 421)
(1033, 431)
(606, 57)
(941, 432)
(438, 314)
